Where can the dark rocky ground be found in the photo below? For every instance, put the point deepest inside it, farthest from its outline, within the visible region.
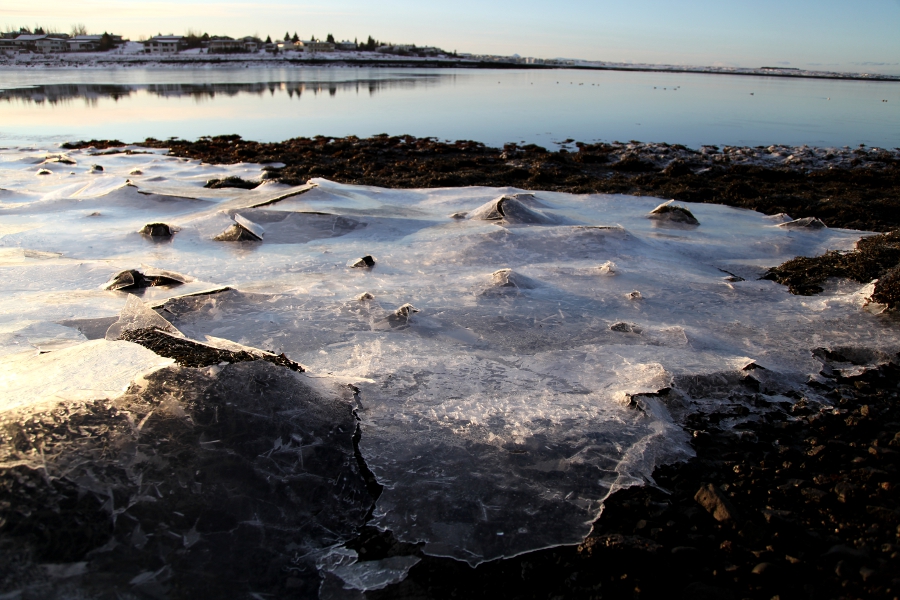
(855, 188)
(800, 502)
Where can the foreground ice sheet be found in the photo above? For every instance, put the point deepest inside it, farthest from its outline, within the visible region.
(507, 357)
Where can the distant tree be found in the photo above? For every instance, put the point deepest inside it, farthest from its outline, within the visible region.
(268, 39)
(296, 38)
(106, 42)
(79, 29)
(39, 31)
(193, 39)
(287, 36)
(370, 44)
(330, 38)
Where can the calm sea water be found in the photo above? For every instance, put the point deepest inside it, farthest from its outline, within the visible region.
(490, 106)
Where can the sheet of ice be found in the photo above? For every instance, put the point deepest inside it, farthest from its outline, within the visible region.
(501, 414)
(245, 473)
(93, 370)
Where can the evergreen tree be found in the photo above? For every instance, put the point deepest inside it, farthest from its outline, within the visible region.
(287, 35)
(106, 42)
(296, 38)
(330, 38)
(370, 44)
(268, 39)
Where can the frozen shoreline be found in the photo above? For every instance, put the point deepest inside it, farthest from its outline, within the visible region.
(130, 58)
(496, 416)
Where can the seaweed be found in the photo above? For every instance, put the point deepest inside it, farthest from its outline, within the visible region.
(231, 182)
(857, 196)
(875, 257)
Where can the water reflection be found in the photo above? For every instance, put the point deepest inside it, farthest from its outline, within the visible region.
(55, 94)
(490, 106)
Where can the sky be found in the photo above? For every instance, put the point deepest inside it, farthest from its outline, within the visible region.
(834, 35)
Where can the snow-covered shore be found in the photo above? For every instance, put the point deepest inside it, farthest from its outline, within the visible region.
(132, 55)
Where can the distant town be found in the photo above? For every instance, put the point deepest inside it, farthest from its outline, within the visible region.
(40, 47)
(40, 41)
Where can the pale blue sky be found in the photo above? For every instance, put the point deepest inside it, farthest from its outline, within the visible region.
(825, 34)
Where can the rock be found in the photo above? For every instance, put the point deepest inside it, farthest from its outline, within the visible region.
(133, 279)
(191, 353)
(231, 182)
(763, 568)
(888, 515)
(677, 168)
(365, 296)
(626, 328)
(137, 316)
(804, 223)
(508, 281)
(866, 573)
(633, 164)
(516, 210)
(243, 230)
(135, 172)
(459, 215)
(406, 311)
(608, 268)
(714, 501)
(842, 569)
(96, 169)
(844, 491)
(59, 160)
(158, 230)
(668, 211)
(44, 172)
(635, 295)
(366, 262)
(813, 494)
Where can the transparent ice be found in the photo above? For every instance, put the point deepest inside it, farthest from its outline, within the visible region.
(517, 391)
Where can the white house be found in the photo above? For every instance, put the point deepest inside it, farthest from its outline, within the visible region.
(345, 45)
(51, 44)
(165, 44)
(28, 41)
(84, 43)
(226, 44)
(315, 46)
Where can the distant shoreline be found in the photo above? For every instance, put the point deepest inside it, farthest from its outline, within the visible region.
(95, 60)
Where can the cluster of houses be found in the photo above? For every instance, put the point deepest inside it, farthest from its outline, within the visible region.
(55, 42)
(170, 44)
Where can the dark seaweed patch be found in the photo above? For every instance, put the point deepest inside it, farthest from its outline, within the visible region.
(231, 182)
(876, 257)
(862, 196)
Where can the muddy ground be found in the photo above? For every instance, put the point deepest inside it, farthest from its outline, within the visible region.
(801, 503)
